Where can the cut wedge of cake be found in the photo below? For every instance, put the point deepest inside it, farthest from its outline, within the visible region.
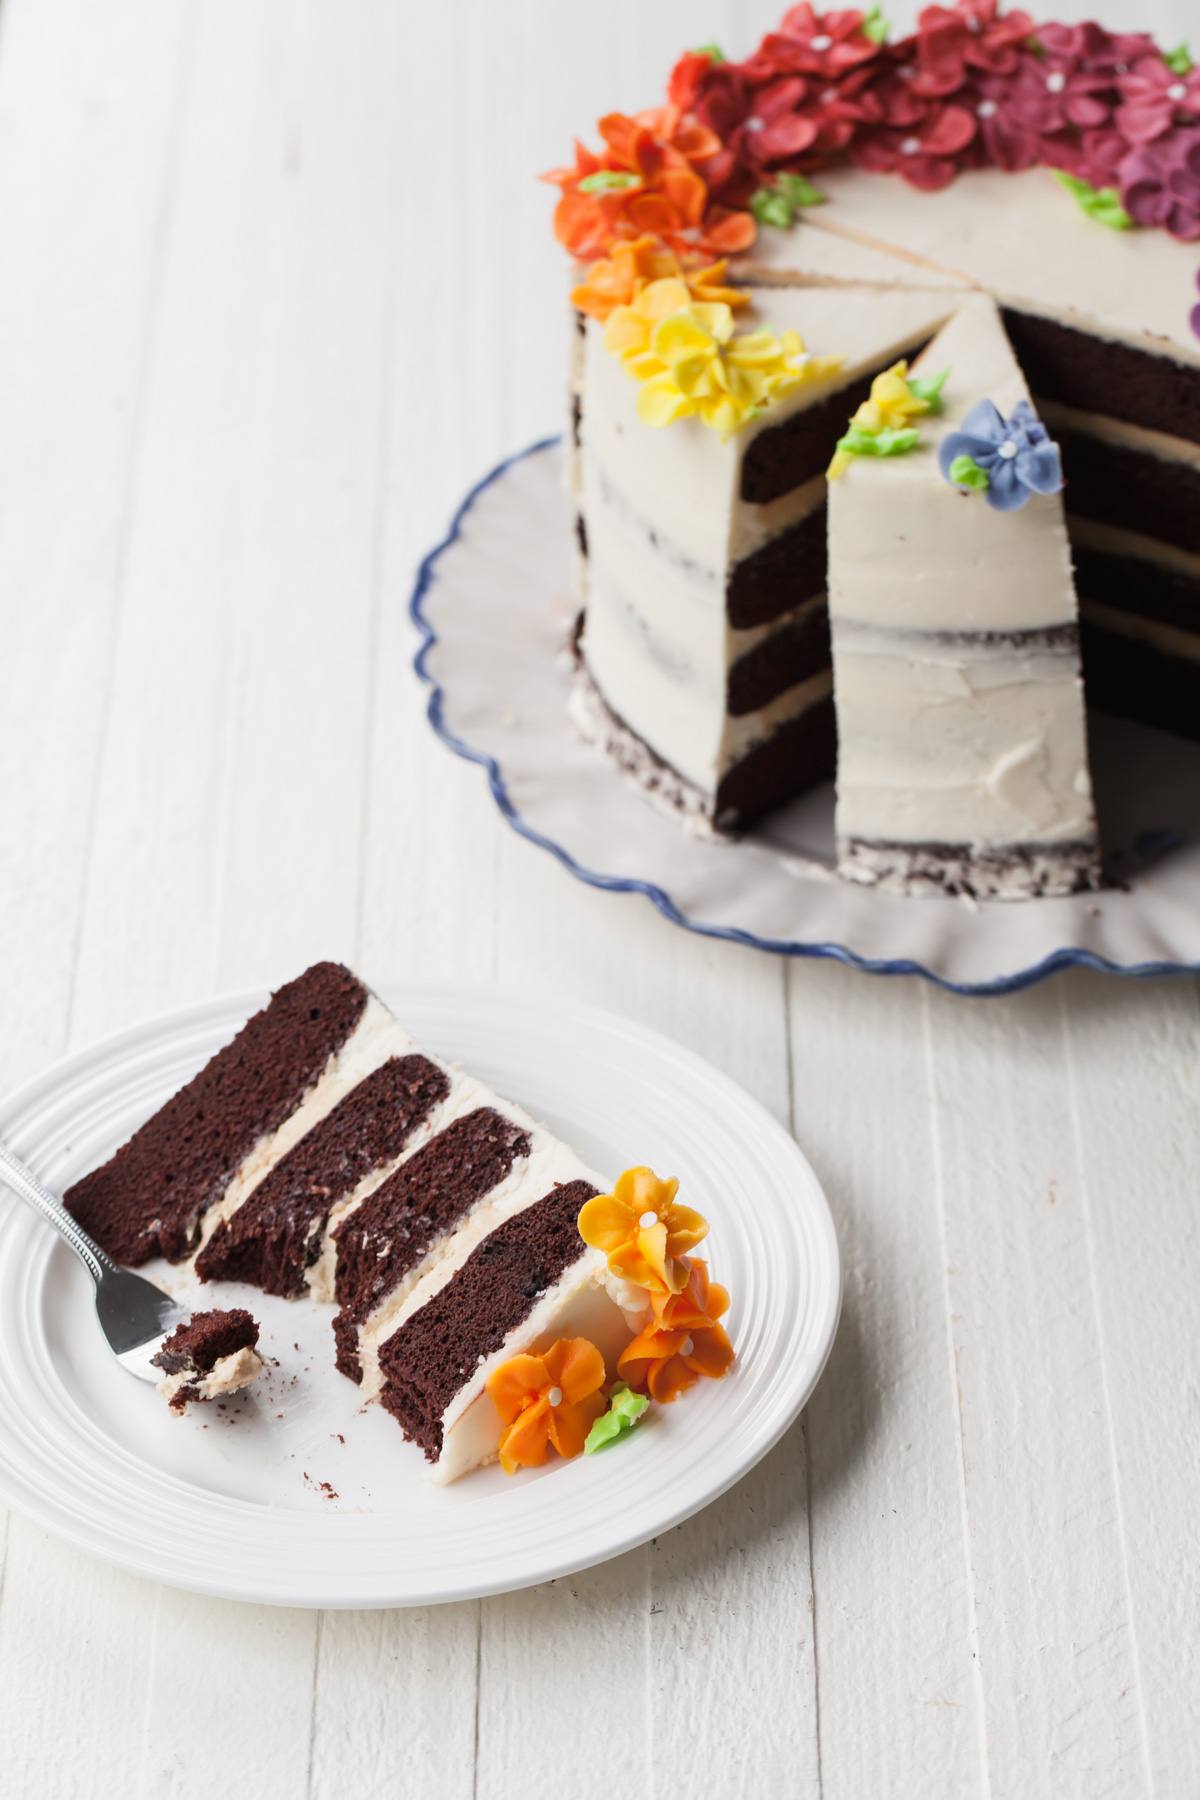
(962, 762)
(705, 655)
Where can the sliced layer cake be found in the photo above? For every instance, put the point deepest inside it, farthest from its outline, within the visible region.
(1099, 322)
(962, 761)
(323, 1152)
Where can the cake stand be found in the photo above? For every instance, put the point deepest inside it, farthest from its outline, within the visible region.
(494, 606)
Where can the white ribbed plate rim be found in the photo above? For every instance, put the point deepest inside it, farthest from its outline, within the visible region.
(626, 1094)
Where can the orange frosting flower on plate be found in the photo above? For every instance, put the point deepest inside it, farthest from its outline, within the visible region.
(554, 1399)
(684, 1342)
(633, 264)
(643, 1231)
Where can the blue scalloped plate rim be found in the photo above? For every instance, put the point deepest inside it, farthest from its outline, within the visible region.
(1067, 958)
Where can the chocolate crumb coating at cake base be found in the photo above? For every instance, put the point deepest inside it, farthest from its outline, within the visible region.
(424, 1362)
(1013, 872)
(150, 1197)
(389, 1234)
(275, 1234)
(208, 1340)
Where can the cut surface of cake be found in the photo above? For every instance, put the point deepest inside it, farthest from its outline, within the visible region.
(705, 649)
(962, 747)
(213, 1354)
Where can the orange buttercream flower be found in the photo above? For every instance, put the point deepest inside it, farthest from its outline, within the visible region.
(684, 1342)
(633, 264)
(554, 1399)
(642, 1231)
(645, 183)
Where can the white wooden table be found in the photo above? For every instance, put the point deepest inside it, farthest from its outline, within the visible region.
(276, 285)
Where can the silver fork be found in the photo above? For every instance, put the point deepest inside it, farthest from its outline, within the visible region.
(135, 1316)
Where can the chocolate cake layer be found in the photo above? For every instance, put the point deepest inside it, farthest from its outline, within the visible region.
(1130, 489)
(787, 571)
(428, 1195)
(790, 655)
(1134, 680)
(802, 752)
(1133, 584)
(783, 456)
(1100, 375)
(149, 1198)
(424, 1363)
(276, 1233)
(205, 1339)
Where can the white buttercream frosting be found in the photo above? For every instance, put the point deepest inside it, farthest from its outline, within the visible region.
(960, 707)
(227, 1375)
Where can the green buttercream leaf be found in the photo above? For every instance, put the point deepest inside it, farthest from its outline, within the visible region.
(608, 178)
(771, 207)
(1101, 204)
(875, 26)
(1178, 61)
(799, 191)
(624, 1410)
(712, 51)
(929, 388)
(887, 442)
(965, 472)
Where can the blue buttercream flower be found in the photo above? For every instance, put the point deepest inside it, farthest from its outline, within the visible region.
(1009, 459)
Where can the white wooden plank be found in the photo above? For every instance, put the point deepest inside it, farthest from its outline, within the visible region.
(87, 123)
(1057, 1668)
(895, 1672)
(1135, 1065)
(394, 1708)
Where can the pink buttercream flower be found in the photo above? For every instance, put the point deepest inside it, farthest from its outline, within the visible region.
(1160, 183)
(1093, 48)
(1053, 93)
(971, 36)
(927, 155)
(1006, 141)
(1154, 98)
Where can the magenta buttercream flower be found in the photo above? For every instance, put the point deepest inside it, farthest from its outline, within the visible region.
(1154, 97)
(1053, 93)
(971, 36)
(1160, 183)
(1006, 140)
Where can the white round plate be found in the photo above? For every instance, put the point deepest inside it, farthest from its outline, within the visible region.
(494, 605)
(294, 1493)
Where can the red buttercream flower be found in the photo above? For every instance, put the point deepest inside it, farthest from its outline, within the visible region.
(1160, 184)
(825, 47)
(1154, 98)
(927, 155)
(953, 42)
(759, 123)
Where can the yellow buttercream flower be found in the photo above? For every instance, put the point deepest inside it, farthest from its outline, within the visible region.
(643, 1232)
(891, 406)
(685, 354)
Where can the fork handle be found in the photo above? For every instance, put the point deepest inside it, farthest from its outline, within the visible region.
(24, 1182)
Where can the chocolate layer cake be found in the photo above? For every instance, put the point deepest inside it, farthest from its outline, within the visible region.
(530, 1281)
(323, 1153)
(193, 1163)
(214, 1354)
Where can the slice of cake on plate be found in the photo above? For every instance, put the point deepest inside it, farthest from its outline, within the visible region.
(962, 764)
(322, 1154)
